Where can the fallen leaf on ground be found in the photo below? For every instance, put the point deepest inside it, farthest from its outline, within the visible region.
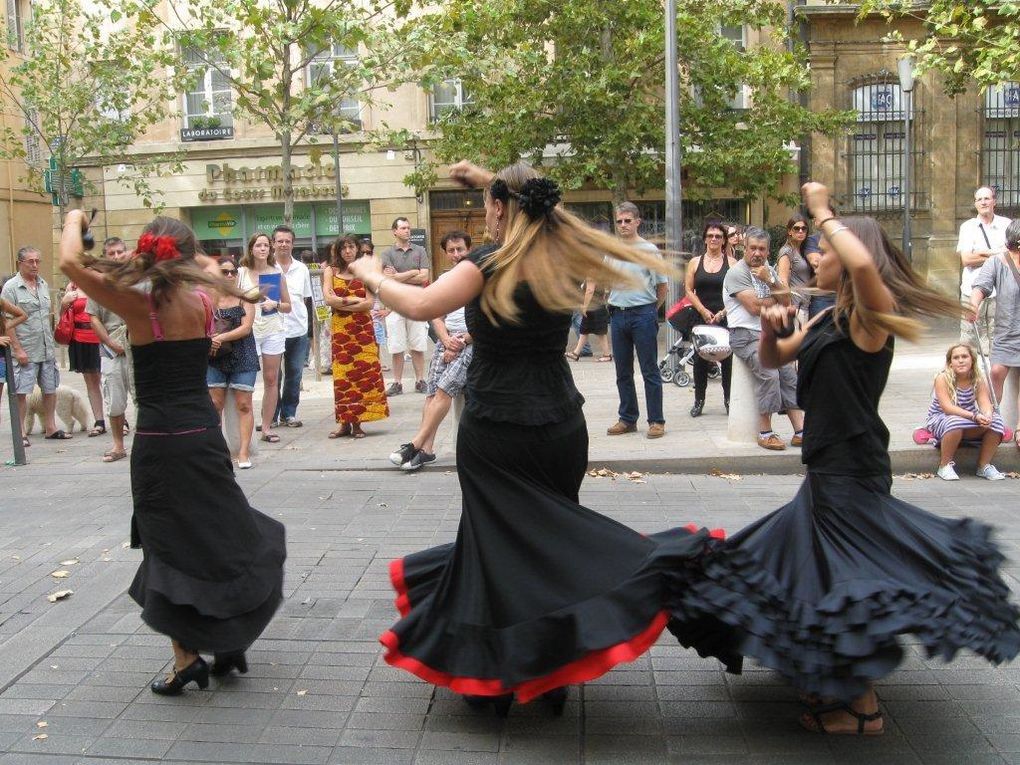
(915, 476)
(71, 562)
(59, 595)
(717, 473)
(302, 692)
(125, 545)
(41, 737)
(61, 574)
(41, 724)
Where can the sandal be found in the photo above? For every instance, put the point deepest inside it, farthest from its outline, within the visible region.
(25, 442)
(812, 720)
(97, 430)
(113, 455)
(605, 358)
(58, 435)
(270, 438)
(357, 432)
(343, 430)
(572, 356)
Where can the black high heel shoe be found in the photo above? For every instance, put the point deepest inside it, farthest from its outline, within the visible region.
(224, 662)
(557, 700)
(198, 671)
(501, 704)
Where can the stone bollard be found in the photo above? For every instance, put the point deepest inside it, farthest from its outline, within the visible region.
(1008, 405)
(742, 425)
(231, 426)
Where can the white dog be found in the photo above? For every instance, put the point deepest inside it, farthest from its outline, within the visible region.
(71, 407)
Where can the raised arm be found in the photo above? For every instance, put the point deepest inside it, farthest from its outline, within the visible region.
(457, 288)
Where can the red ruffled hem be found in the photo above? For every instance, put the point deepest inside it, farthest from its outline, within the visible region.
(589, 667)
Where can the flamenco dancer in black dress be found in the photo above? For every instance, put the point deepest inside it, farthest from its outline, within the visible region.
(820, 589)
(537, 592)
(212, 573)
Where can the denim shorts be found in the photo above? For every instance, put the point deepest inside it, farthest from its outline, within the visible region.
(215, 378)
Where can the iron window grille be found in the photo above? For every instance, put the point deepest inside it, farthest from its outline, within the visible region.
(1000, 144)
(875, 153)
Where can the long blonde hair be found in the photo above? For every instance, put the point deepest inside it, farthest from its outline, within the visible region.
(554, 254)
(977, 376)
(913, 299)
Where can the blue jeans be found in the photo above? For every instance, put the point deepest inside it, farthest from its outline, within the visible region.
(636, 330)
(295, 353)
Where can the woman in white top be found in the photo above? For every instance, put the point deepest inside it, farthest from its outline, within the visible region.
(258, 268)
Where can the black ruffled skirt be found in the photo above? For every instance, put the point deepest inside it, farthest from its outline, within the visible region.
(212, 573)
(537, 592)
(820, 589)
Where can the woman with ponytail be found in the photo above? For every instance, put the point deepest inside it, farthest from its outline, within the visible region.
(822, 589)
(212, 573)
(537, 592)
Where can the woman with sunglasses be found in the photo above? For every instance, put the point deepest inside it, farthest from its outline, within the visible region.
(703, 285)
(238, 367)
(791, 263)
(734, 247)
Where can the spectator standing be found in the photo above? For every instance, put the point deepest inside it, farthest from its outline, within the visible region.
(32, 344)
(258, 267)
(295, 326)
(703, 285)
(358, 392)
(981, 238)
(379, 312)
(447, 373)
(633, 312)
(114, 364)
(792, 264)
(1000, 275)
(238, 368)
(734, 241)
(747, 289)
(594, 323)
(408, 264)
(7, 326)
(83, 353)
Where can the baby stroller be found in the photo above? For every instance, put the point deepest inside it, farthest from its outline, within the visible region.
(673, 365)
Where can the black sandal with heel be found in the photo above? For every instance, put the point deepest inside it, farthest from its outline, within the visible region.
(816, 725)
(174, 683)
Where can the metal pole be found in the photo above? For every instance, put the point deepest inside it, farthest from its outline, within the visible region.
(674, 211)
(15, 414)
(908, 161)
(339, 186)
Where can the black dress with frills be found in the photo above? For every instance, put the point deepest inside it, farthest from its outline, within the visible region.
(537, 592)
(212, 572)
(820, 589)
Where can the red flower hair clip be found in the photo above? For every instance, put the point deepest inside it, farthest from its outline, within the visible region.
(163, 247)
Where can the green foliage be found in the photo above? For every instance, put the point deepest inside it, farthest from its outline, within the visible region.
(577, 86)
(976, 42)
(88, 87)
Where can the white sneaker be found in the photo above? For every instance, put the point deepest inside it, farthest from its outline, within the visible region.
(948, 473)
(990, 472)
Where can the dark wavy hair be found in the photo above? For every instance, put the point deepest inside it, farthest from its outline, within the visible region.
(335, 261)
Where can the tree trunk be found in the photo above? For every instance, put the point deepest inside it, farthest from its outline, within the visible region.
(288, 179)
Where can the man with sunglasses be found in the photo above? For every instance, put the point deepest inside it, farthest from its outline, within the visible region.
(634, 324)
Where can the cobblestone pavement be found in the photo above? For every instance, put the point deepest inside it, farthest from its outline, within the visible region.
(74, 674)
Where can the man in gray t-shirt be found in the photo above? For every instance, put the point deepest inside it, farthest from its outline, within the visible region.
(407, 263)
(747, 288)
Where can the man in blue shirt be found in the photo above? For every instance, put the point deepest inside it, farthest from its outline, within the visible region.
(634, 326)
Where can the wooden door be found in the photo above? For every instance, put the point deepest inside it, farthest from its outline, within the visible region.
(470, 220)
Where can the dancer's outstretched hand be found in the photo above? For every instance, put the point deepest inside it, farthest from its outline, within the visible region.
(816, 199)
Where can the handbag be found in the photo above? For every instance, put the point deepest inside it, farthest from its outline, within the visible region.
(222, 324)
(63, 333)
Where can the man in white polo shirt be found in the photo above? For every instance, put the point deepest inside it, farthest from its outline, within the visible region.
(981, 237)
(295, 326)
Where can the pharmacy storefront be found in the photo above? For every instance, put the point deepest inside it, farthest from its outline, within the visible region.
(224, 230)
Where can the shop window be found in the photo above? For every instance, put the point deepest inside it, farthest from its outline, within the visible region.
(208, 101)
(875, 156)
(448, 97)
(326, 64)
(1000, 143)
(18, 13)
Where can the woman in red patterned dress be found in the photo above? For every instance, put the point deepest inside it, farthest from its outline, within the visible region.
(358, 392)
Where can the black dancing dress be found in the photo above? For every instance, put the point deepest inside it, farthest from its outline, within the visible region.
(212, 572)
(537, 592)
(820, 589)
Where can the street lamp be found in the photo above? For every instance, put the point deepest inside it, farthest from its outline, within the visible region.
(906, 72)
(339, 185)
(674, 195)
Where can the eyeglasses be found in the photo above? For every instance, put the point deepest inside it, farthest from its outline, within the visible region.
(800, 228)
(228, 271)
(621, 221)
(732, 234)
(713, 236)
